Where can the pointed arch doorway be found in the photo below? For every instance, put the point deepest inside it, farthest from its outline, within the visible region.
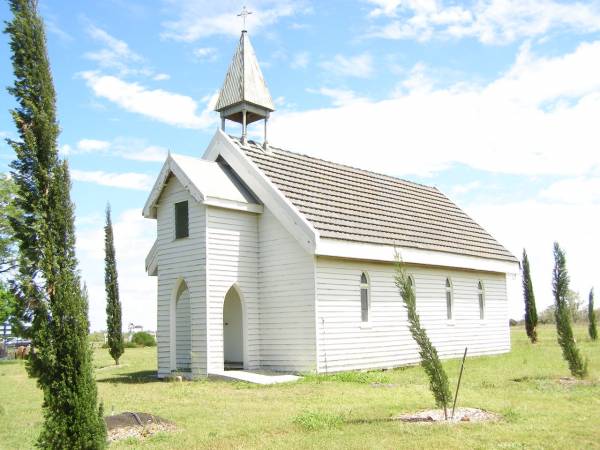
(233, 330)
(181, 330)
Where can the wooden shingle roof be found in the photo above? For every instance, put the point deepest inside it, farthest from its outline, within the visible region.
(351, 204)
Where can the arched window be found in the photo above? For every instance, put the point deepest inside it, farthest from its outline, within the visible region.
(481, 296)
(449, 299)
(364, 297)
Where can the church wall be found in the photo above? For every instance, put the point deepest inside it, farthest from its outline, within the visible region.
(287, 305)
(232, 258)
(180, 259)
(346, 343)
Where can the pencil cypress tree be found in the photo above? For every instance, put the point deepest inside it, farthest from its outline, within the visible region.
(430, 361)
(111, 284)
(592, 327)
(48, 284)
(531, 318)
(560, 287)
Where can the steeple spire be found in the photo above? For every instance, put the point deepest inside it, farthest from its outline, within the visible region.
(244, 97)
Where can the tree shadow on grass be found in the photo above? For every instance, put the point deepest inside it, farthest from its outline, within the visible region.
(140, 377)
(362, 421)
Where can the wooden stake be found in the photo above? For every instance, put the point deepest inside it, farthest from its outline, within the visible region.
(462, 366)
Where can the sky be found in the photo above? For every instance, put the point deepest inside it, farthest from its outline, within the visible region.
(495, 102)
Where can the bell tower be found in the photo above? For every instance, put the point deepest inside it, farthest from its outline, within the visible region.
(244, 97)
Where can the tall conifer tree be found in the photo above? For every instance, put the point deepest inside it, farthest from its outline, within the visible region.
(48, 284)
(111, 283)
(430, 361)
(560, 287)
(592, 326)
(531, 318)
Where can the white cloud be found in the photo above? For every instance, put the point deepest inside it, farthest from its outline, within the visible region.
(300, 60)
(535, 225)
(339, 97)
(51, 24)
(92, 145)
(65, 150)
(460, 189)
(123, 147)
(134, 236)
(575, 191)
(115, 55)
(538, 118)
(360, 66)
(158, 104)
(127, 180)
(489, 21)
(151, 153)
(197, 19)
(205, 54)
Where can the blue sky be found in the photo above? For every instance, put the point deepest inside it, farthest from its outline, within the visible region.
(495, 102)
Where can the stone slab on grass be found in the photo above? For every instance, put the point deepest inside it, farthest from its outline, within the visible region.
(461, 415)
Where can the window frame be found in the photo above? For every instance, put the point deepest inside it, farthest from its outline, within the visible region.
(449, 291)
(367, 287)
(481, 299)
(176, 222)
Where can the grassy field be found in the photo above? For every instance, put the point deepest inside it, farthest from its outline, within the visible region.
(340, 411)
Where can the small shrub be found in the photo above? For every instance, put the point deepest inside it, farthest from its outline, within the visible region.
(312, 421)
(143, 339)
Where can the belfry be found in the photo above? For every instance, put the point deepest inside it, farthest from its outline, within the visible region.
(244, 97)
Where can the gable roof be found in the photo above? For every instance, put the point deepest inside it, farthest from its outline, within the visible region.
(350, 204)
(244, 81)
(208, 182)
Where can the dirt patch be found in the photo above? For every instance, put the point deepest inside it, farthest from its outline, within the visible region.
(136, 425)
(461, 415)
(383, 385)
(570, 381)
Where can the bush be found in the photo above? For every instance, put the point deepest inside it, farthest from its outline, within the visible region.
(143, 339)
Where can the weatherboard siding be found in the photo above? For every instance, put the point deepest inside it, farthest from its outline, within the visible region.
(345, 343)
(287, 299)
(180, 259)
(232, 259)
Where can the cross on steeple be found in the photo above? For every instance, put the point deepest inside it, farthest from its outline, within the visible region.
(244, 14)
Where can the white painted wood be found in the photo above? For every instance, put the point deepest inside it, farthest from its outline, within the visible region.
(380, 252)
(206, 181)
(346, 344)
(232, 263)
(180, 260)
(287, 299)
(285, 212)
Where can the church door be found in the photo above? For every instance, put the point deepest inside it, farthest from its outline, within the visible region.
(233, 331)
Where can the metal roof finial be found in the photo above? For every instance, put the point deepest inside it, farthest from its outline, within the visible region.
(244, 14)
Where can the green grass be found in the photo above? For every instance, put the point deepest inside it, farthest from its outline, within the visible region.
(341, 410)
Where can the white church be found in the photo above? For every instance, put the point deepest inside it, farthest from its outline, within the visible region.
(269, 259)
